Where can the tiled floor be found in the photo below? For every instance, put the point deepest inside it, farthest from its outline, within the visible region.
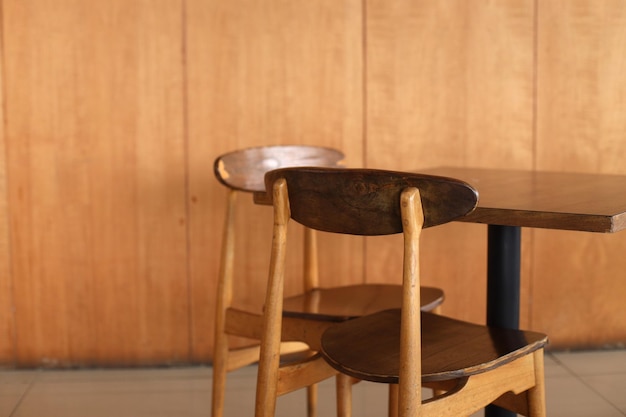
(578, 384)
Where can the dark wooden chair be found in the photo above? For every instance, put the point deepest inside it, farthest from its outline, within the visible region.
(469, 365)
(243, 171)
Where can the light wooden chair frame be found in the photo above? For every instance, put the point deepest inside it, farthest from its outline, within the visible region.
(230, 320)
(514, 381)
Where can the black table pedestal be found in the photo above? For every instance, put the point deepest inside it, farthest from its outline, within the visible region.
(503, 285)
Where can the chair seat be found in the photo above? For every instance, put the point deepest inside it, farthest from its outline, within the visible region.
(451, 348)
(349, 302)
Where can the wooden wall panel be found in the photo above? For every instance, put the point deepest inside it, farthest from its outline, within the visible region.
(7, 324)
(114, 112)
(579, 280)
(449, 83)
(260, 73)
(96, 160)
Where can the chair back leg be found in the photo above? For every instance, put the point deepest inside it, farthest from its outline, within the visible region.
(269, 360)
(343, 384)
(223, 302)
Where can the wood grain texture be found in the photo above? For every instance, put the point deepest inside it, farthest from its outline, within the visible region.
(581, 86)
(344, 303)
(7, 323)
(543, 199)
(361, 201)
(245, 169)
(450, 348)
(112, 109)
(448, 83)
(275, 72)
(580, 127)
(446, 77)
(96, 161)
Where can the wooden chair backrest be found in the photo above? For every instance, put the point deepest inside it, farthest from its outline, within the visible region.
(243, 169)
(367, 201)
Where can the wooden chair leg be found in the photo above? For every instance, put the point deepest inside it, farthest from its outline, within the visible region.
(311, 399)
(537, 395)
(223, 301)
(393, 400)
(220, 360)
(344, 395)
(269, 357)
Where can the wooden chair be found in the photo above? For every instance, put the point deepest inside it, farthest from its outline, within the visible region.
(469, 365)
(306, 314)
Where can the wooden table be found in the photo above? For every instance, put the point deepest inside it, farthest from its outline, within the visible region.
(510, 200)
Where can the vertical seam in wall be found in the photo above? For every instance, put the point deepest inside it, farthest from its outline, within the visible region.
(364, 79)
(185, 121)
(535, 99)
(535, 47)
(364, 112)
(7, 221)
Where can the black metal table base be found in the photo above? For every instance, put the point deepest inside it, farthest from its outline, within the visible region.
(503, 285)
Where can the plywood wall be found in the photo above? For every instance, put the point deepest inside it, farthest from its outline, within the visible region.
(7, 325)
(114, 112)
(96, 164)
(271, 72)
(450, 83)
(579, 278)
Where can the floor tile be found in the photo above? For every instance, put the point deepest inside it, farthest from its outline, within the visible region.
(118, 404)
(103, 393)
(610, 387)
(13, 386)
(553, 367)
(593, 362)
(577, 384)
(8, 403)
(568, 396)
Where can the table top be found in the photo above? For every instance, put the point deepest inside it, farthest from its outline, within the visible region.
(552, 200)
